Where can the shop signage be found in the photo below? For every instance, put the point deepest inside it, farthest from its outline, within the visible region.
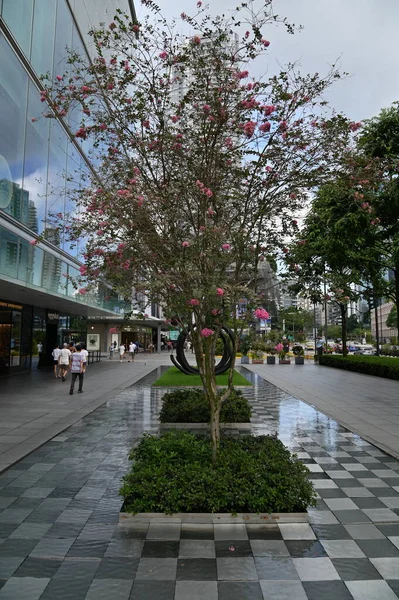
(53, 316)
(11, 305)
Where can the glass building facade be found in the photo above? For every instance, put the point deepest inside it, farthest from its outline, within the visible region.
(40, 163)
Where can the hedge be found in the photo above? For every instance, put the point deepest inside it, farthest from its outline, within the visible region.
(379, 366)
(175, 473)
(190, 406)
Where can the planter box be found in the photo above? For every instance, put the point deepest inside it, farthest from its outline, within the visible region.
(299, 360)
(245, 360)
(257, 361)
(284, 362)
(246, 426)
(271, 360)
(226, 518)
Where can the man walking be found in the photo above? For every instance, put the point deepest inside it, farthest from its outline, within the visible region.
(132, 350)
(121, 352)
(77, 369)
(63, 360)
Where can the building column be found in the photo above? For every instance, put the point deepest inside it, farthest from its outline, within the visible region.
(159, 341)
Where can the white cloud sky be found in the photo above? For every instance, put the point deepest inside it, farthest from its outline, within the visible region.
(361, 33)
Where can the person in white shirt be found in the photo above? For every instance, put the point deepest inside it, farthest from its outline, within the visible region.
(121, 351)
(85, 355)
(132, 350)
(63, 360)
(56, 354)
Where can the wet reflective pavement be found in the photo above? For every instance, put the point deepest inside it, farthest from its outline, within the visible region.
(60, 538)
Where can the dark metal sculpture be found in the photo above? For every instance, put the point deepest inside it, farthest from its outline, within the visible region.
(225, 363)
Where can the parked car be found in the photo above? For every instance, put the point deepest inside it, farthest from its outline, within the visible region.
(365, 350)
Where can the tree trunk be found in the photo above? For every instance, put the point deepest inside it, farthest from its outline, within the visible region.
(396, 273)
(377, 325)
(343, 308)
(206, 364)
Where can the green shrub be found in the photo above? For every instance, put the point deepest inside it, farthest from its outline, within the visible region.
(190, 406)
(371, 365)
(174, 473)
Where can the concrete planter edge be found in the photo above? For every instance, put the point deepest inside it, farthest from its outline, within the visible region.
(213, 518)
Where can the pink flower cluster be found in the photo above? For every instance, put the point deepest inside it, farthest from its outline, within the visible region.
(355, 126)
(185, 244)
(249, 128)
(83, 270)
(194, 302)
(366, 206)
(220, 291)
(261, 313)
(279, 347)
(265, 127)
(226, 246)
(207, 332)
(203, 189)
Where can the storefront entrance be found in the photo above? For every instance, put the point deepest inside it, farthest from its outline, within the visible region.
(15, 337)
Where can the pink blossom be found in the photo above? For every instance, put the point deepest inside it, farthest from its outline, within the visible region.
(268, 110)
(196, 40)
(207, 332)
(194, 302)
(146, 315)
(110, 86)
(33, 120)
(199, 4)
(185, 244)
(211, 212)
(112, 25)
(99, 232)
(132, 181)
(285, 250)
(268, 168)
(249, 128)
(226, 246)
(279, 347)
(81, 133)
(183, 16)
(283, 126)
(220, 291)
(163, 55)
(215, 311)
(83, 291)
(229, 142)
(121, 246)
(58, 77)
(265, 126)
(355, 126)
(175, 118)
(294, 222)
(123, 192)
(206, 108)
(265, 43)
(209, 193)
(83, 270)
(301, 242)
(34, 242)
(199, 184)
(242, 74)
(85, 89)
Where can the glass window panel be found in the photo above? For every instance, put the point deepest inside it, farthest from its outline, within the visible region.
(36, 159)
(13, 96)
(63, 38)
(52, 279)
(9, 253)
(56, 182)
(42, 54)
(18, 16)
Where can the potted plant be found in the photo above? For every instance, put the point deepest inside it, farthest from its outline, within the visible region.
(257, 357)
(245, 345)
(270, 358)
(299, 355)
(279, 348)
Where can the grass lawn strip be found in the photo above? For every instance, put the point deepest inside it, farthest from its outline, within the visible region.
(173, 377)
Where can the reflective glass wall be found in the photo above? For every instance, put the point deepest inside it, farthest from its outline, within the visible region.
(37, 156)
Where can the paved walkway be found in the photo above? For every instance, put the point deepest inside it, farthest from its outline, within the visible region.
(59, 506)
(364, 404)
(34, 407)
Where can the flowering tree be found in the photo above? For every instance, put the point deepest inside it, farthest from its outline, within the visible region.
(200, 166)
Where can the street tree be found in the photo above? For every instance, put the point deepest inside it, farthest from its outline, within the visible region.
(200, 166)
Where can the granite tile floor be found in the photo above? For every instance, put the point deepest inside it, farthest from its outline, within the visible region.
(60, 538)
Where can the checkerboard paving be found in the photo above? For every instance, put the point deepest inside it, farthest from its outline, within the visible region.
(60, 537)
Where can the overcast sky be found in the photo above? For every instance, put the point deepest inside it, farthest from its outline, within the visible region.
(363, 34)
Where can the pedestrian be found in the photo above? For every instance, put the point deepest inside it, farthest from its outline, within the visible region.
(151, 347)
(56, 354)
(72, 347)
(76, 368)
(122, 351)
(85, 355)
(111, 351)
(132, 350)
(39, 348)
(63, 360)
